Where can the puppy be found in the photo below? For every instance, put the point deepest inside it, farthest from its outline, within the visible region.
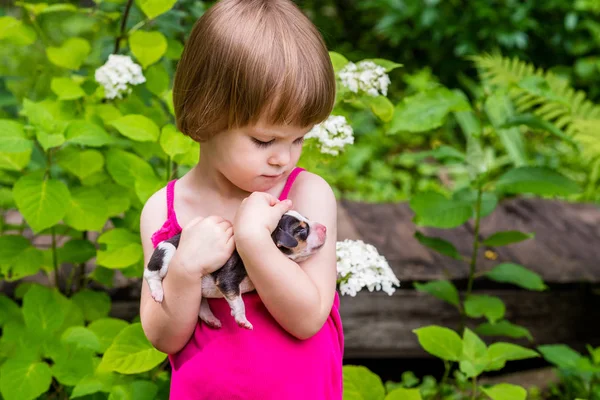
(296, 236)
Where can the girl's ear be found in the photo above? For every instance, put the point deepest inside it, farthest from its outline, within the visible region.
(284, 239)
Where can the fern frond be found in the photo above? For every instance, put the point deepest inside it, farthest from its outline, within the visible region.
(563, 106)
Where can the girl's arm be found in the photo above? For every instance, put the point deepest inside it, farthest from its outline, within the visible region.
(298, 296)
(170, 324)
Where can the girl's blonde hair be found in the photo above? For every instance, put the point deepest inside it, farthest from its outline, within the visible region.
(251, 60)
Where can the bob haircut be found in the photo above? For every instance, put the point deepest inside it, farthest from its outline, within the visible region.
(251, 60)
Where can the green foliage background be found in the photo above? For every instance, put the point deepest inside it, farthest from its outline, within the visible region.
(491, 101)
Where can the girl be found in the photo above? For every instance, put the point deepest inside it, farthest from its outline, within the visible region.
(254, 78)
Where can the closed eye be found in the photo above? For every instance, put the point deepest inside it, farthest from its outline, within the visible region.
(266, 144)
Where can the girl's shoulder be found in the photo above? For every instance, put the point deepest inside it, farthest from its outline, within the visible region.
(154, 213)
(310, 184)
(312, 195)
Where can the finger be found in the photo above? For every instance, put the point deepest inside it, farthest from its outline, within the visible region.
(284, 205)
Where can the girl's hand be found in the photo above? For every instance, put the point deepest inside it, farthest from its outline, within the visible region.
(205, 245)
(258, 215)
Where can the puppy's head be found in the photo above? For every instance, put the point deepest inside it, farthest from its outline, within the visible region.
(298, 237)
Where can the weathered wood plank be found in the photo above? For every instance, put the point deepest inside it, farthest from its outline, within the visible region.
(566, 247)
(377, 325)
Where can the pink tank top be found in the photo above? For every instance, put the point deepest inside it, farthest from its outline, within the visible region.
(265, 363)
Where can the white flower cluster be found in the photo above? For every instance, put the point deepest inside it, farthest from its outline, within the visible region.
(359, 265)
(334, 133)
(117, 74)
(365, 76)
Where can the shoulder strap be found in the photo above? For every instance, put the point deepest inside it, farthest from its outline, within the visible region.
(289, 183)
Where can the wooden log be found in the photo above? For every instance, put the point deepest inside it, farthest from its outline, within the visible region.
(377, 325)
(565, 249)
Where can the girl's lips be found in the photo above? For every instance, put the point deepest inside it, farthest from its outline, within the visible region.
(272, 176)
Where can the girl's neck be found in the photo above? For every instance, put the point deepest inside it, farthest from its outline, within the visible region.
(203, 178)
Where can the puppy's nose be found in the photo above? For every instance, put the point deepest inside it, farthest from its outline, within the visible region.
(321, 231)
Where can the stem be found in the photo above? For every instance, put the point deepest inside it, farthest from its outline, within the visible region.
(55, 258)
(474, 395)
(82, 268)
(123, 23)
(476, 239)
(444, 378)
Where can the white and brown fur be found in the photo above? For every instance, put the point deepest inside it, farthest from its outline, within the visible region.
(296, 236)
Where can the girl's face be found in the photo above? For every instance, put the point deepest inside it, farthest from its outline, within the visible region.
(259, 157)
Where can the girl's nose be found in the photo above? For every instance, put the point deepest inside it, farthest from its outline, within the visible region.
(282, 159)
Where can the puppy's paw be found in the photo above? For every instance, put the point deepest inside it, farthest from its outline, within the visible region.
(157, 295)
(212, 322)
(244, 323)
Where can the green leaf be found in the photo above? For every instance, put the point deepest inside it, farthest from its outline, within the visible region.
(538, 86)
(94, 305)
(28, 263)
(174, 142)
(148, 47)
(517, 275)
(16, 32)
(73, 363)
(441, 342)
(443, 290)
(24, 380)
(79, 336)
(87, 134)
(107, 329)
(387, 64)
(143, 390)
(483, 305)
(137, 127)
(80, 163)
(499, 108)
(474, 354)
(425, 111)
(440, 245)
(507, 237)
(125, 168)
(560, 355)
(489, 200)
(14, 161)
(123, 248)
(381, 106)
(505, 391)
(154, 8)
(43, 202)
(71, 54)
(87, 209)
(9, 310)
(503, 328)
(116, 202)
(42, 311)
(361, 384)
(11, 246)
(338, 61)
(157, 79)
(131, 352)
(435, 210)
(536, 180)
(403, 394)
(66, 88)
(499, 353)
(13, 138)
(536, 122)
(76, 251)
(144, 188)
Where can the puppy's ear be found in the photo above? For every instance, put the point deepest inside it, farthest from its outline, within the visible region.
(284, 239)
